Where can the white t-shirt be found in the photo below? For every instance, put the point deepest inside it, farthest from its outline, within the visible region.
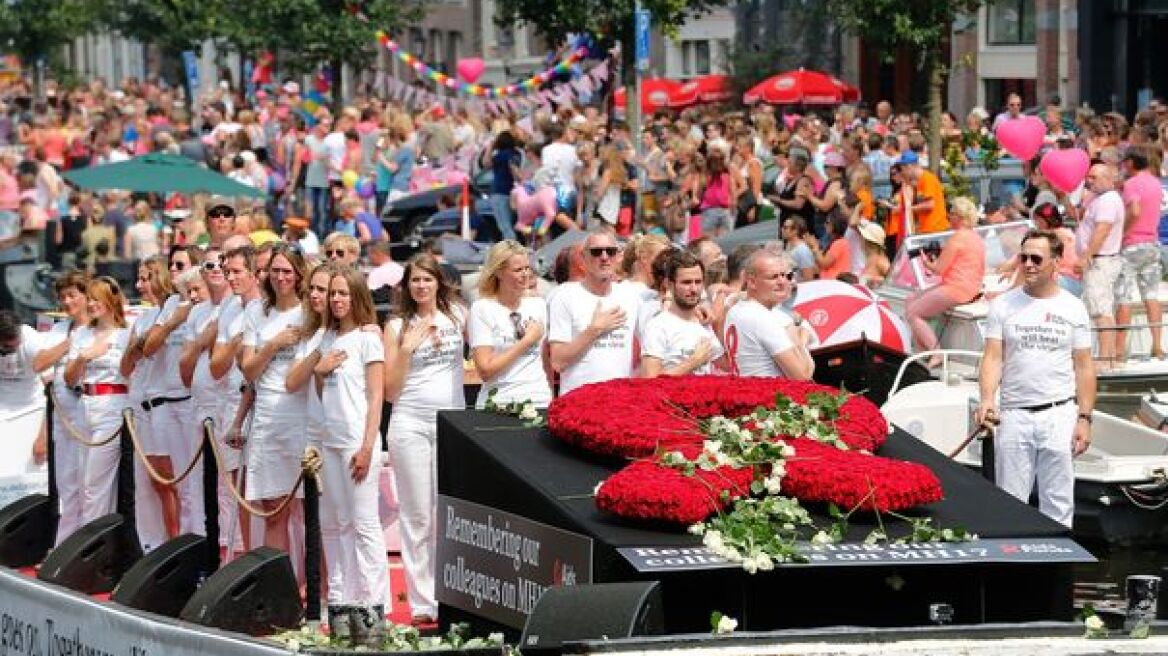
(434, 380)
(562, 159)
(164, 379)
(204, 388)
(107, 368)
(316, 421)
(343, 393)
(334, 145)
(610, 356)
(525, 379)
(1038, 336)
(1105, 208)
(235, 319)
(143, 371)
(272, 380)
(672, 340)
(649, 301)
(20, 386)
(66, 400)
(754, 335)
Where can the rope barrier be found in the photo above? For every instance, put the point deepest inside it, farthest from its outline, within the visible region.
(310, 465)
(131, 425)
(76, 434)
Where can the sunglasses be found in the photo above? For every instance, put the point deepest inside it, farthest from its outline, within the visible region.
(220, 214)
(178, 265)
(339, 252)
(1036, 260)
(597, 251)
(210, 265)
(517, 323)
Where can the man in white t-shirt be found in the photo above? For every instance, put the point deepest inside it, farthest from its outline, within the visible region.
(675, 341)
(760, 341)
(1038, 352)
(560, 155)
(592, 322)
(20, 385)
(1098, 239)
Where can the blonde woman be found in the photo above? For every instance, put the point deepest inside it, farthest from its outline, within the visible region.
(141, 239)
(613, 178)
(93, 365)
(508, 330)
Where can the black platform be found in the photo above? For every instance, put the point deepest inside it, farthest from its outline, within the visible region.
(493, 461)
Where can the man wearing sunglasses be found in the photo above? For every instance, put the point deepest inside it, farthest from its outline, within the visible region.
(590, 333)
(1038, 355)
(759, 340)
(220, 221)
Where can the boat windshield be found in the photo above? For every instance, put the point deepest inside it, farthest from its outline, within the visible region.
(1002, 240)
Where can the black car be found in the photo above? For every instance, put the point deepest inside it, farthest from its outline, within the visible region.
(413, 219)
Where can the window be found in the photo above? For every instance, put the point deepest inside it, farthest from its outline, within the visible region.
(1011, 22)
(702, 58)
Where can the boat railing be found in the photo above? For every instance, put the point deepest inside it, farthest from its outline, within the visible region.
(946, 356)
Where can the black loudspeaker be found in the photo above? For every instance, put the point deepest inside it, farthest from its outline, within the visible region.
(254, 594)
(28, 527)
(581, 612)
(165, 578)
(93, 559)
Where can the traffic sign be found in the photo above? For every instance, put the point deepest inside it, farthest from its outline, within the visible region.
(644, 20)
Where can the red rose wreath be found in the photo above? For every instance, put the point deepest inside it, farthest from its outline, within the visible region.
(641, 418)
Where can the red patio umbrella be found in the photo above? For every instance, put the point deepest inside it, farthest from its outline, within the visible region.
(841, 313)
(656, 93)
(802, 87)
(705, 89)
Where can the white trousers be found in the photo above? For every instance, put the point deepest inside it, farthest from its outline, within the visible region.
(1037, 447)
(68, 458)
(359, 563)
(412, 451)
(147, 507)
(99, 465)
(172, 433)
(225, 501)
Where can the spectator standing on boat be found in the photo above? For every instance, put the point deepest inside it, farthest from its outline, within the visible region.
(1098, 239)
(424, 374)
(759, 339)
(508, 329)
(1139, 277)
(1038, 356)
(592, 322)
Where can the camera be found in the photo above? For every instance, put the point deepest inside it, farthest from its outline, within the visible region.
(930, 248)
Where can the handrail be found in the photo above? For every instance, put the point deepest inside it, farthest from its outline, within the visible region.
(916, 357)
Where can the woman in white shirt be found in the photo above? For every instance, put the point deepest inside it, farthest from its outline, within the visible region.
(278, 438)
(93, 365)
(349, 372)
(67, 453)
(508, 330)
(424, 374)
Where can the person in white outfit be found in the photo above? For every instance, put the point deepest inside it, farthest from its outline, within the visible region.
(424, 374)
(349, 376)
(760, 340)
(675, 342)
(93, 364)
(1038, 355)
(278, 436)
(508, 329)
(67, 453)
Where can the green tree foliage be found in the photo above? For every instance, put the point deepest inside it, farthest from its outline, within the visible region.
(921, 25)
(38, 28)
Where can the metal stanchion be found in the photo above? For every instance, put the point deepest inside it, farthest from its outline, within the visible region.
(312, 548)
(210, 501)
(51, 450)
(126, 503)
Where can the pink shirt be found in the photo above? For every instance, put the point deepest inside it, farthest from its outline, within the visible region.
(1105, 208)
(9, 192)
(1145, 188)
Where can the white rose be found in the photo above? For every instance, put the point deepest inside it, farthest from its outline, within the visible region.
(750, 565)
(778, 470)
(713, 540)
(697, 529)
(731, 554)
(764, 562)
(528, 413)
(712, 446)
(1093, 623)
(821, 538)
(293, 645)
(773, 485)
(596, 490)
(726, 625)
(787, 450)
(496, 637)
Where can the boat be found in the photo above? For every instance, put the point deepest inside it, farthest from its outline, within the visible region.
(963, 327)
(1121, 482)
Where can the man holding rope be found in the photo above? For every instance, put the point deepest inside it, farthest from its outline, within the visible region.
(1038, 351)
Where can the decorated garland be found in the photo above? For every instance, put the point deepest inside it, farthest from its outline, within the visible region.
(810, 440)
(525, 87)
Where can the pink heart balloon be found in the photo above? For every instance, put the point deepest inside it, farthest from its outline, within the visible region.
(1066, 168)
(470, 69)
(1022, 136)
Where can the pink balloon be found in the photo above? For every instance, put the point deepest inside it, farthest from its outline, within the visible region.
(1065, 168)
(529, 207)
(1022, 136)
(471, 68)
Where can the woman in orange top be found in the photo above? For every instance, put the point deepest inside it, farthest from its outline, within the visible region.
(838, 257)
(961, 267)
(894, 227)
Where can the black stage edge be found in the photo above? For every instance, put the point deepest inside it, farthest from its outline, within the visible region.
(494, 461)
(864, 367)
